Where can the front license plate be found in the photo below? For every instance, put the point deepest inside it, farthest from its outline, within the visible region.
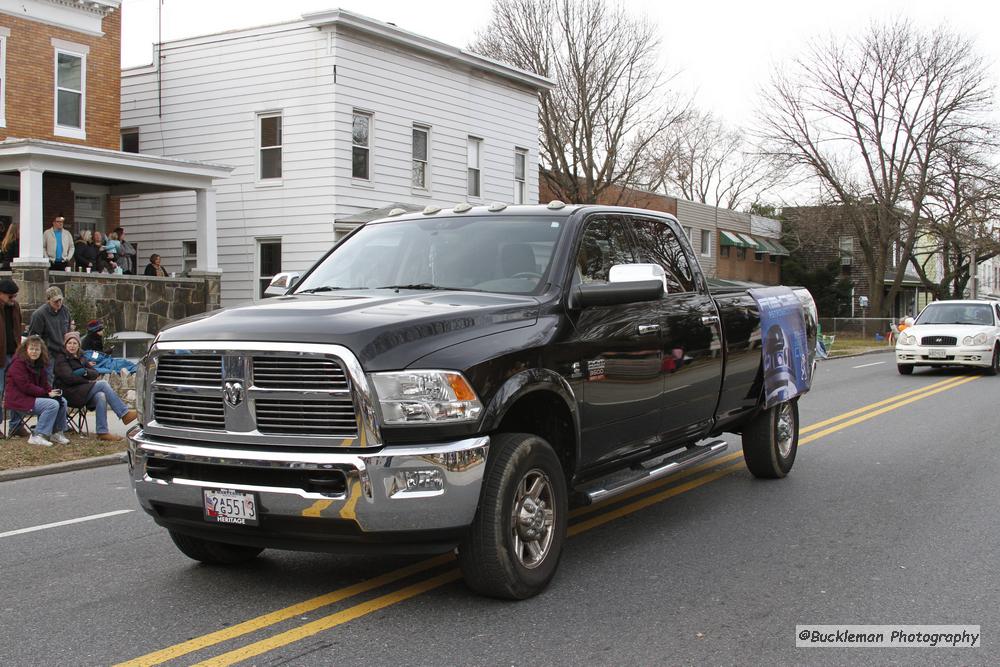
(937, 353)
(230, 506)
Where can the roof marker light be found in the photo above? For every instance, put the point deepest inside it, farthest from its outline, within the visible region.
(463, 207)
(555, 205)
(397, 211)
(497, 206)
(431, 210)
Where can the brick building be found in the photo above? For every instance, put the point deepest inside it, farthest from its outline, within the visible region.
(824, 235)
(60, 138)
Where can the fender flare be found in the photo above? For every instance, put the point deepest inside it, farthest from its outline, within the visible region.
(526, 382)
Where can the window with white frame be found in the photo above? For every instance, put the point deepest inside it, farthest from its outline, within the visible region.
(268, 263)
(4, 34)
(687, 233)
(71, 91)
(269, 145)
(421, 156)
(361, 135)
(474, 149)
(706, 243)
(520, 170)
(189, 256)
(88, 213)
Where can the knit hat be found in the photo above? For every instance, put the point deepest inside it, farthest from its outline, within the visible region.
(8, 286)
(92, 325)
(71, 334)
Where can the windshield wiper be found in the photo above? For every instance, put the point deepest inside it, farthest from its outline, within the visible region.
(423, 286)
(326, 288)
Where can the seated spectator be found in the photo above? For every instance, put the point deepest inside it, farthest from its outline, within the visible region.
(27, 390)
(154, 268)
(94, 340)
(86, 252)
(78, 380)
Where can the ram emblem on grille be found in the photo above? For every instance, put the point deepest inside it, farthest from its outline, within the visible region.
(233, 392)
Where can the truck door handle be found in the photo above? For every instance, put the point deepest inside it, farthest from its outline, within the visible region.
(710, 319)
(648, 329)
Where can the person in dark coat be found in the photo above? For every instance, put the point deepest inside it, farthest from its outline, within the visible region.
(10, 247)
(94, 340)
(28, 391)
(10, 337)
(78, 380)
(86, 252)
(154, 268)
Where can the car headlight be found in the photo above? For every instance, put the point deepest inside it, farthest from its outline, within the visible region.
(425, 397)
(907, 339)
(980, 339)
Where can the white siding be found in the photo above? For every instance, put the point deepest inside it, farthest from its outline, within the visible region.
(213, 87)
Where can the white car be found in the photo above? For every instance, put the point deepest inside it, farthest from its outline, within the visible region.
(952, 333)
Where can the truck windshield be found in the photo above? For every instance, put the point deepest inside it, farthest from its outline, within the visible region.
(956, 313)
(506, 254)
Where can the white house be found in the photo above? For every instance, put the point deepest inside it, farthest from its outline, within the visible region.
(322, 119)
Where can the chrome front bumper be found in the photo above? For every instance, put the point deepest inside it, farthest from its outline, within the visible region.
(955, 355)
(406, 489)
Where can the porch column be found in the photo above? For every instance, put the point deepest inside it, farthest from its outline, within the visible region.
(31, 218)
(208, 243)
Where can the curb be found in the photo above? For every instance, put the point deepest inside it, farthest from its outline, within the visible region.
(858, 354)
(64, 466)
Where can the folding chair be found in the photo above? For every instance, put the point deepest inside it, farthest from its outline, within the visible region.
(20, 419)
(76, 420)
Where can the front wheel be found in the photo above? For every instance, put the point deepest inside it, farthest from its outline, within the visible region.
(513, 546)
(994, 366)
(771, 441)
(213, 553)
(905, 369)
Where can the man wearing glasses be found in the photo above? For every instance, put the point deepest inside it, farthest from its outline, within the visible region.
(58, 244)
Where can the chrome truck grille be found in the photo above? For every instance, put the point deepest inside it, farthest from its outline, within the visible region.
(267, 394)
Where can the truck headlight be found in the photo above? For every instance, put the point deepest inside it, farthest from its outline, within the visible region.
(414, 397)
(140, 390)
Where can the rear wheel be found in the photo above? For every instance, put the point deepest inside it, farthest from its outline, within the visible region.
(905, 369)
(213, 553)
(771, 441)
(514, 544)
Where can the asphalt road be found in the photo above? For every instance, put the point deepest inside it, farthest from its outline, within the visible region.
(889, 517)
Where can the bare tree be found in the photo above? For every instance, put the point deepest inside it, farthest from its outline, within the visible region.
(703, 160)
(867, 118)
(610, 103)
(958, 220)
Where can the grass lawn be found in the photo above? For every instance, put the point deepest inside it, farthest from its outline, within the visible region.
(17, 453)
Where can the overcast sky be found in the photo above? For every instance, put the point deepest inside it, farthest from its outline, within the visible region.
(725, 50)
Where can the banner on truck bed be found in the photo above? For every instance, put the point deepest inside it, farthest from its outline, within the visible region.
(784, 345)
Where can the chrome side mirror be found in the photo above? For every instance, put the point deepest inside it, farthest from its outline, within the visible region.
(281, 283)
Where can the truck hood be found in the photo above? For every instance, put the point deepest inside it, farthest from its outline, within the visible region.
(386, 330)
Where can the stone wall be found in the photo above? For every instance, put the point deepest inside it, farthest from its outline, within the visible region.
(123, 303)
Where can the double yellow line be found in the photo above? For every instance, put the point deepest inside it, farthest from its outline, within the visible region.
(716, 468)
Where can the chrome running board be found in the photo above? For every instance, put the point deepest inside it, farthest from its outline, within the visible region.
(603, 489)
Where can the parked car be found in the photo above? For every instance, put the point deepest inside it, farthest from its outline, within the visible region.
(453, 379)
(952, 333)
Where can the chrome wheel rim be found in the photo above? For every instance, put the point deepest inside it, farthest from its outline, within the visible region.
(784, 429)
(532, 519)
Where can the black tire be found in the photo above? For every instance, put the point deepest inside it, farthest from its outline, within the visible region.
(771, 441)
(491, 561)
(213, 553)
(994, 367)
(905, 369)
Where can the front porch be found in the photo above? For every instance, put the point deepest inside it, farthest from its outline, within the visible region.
(42, 172)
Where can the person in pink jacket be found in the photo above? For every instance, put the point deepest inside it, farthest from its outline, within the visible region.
(28, 390)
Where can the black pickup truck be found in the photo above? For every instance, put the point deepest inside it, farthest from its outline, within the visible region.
(458, 379)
